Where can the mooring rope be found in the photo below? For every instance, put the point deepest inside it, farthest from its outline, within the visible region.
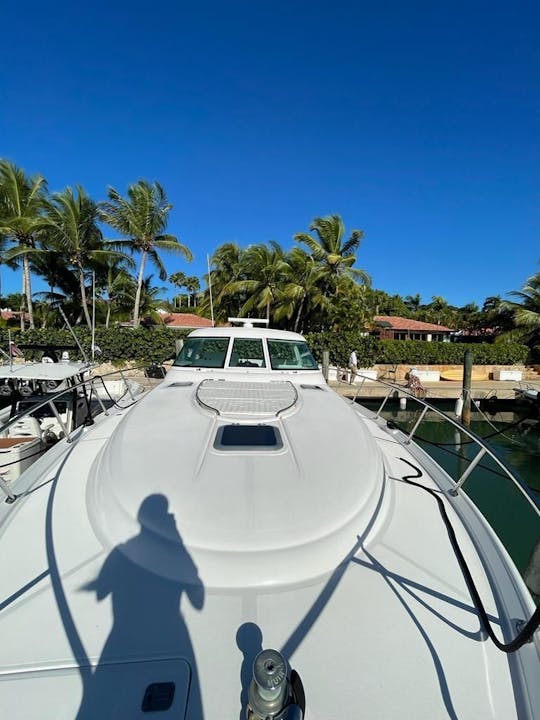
(529, 628)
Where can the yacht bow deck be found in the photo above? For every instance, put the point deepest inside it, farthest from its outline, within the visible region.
(392, 616)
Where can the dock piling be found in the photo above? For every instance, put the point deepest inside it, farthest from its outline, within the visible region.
(466, 393)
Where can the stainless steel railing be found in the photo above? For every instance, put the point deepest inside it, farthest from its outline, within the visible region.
(484, 449)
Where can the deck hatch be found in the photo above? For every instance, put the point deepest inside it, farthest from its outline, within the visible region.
(158, 697)
(248, 437)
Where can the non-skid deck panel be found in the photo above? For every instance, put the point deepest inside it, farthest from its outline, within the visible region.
(265, 399)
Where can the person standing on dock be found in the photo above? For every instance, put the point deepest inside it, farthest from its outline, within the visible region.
(353, 366)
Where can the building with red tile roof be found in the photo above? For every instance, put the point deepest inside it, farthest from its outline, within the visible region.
(8, 314)
(393, 327)
(182, 321)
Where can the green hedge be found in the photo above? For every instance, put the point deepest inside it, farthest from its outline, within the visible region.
(414, 352)
(116, 344)
(340, 345)
(158, 344)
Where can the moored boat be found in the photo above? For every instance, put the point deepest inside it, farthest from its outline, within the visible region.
(241, 541)
(528, 393)
(47, 400)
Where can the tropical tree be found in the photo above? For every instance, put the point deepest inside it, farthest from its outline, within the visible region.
(4, 245)
(178, 279)
(265, 269)
(413, 302)
(226, 267)
(330, 248)
(379, 302)
(115, 283)
(150, 298)
(349, 309)
(141, 218)
(303, 289)
(438, 310)
(526, 311)
(72, 230)
(21, 219)
(193, 286)
(62, 282)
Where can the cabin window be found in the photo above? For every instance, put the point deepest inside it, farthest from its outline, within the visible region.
(248, 437)
(247, 353)
(290, 355)
(203, 352)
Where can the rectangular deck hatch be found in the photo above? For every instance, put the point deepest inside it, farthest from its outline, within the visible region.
(248, 437)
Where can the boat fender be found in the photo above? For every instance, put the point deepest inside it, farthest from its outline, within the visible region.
(459, 407)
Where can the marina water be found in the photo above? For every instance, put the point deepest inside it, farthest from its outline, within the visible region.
(513, 433)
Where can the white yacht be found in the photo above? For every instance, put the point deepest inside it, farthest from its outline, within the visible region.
(241, 542)
(45, 401)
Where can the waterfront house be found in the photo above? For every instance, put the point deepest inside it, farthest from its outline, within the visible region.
(392, 327)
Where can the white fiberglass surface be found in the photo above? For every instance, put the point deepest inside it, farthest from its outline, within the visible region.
(232, 504)
(167, 548)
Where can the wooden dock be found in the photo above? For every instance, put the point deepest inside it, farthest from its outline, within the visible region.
(502, 389)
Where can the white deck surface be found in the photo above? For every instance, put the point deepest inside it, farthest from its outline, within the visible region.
(318, 549)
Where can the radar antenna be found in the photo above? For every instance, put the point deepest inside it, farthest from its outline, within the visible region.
(248, 322)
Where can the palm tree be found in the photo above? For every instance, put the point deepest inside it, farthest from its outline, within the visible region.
(265, 269)
(21, 205)
(227, 267)
(330, 248)
(303, 290)
(413, 302)
(149, 297)
(527, 310)
(115, 282)
(72, 229)
(8, 263)
(178, 279)
(62, 282)
(142, 219)
(438, 309)
(192, 286)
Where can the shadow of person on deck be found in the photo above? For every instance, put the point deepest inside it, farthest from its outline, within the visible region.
(145, 577)
(249, 642)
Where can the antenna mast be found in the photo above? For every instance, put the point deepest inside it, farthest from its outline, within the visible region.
(62, 313)
(210, 289)
(93, 313)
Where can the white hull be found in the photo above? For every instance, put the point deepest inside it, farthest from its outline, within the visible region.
(174, 539)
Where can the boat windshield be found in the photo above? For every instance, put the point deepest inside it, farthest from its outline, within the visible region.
(290, 355)
(247, 352)
(24, 406)
(207, 352)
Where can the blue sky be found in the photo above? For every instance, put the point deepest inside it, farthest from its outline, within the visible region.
(415, 120)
